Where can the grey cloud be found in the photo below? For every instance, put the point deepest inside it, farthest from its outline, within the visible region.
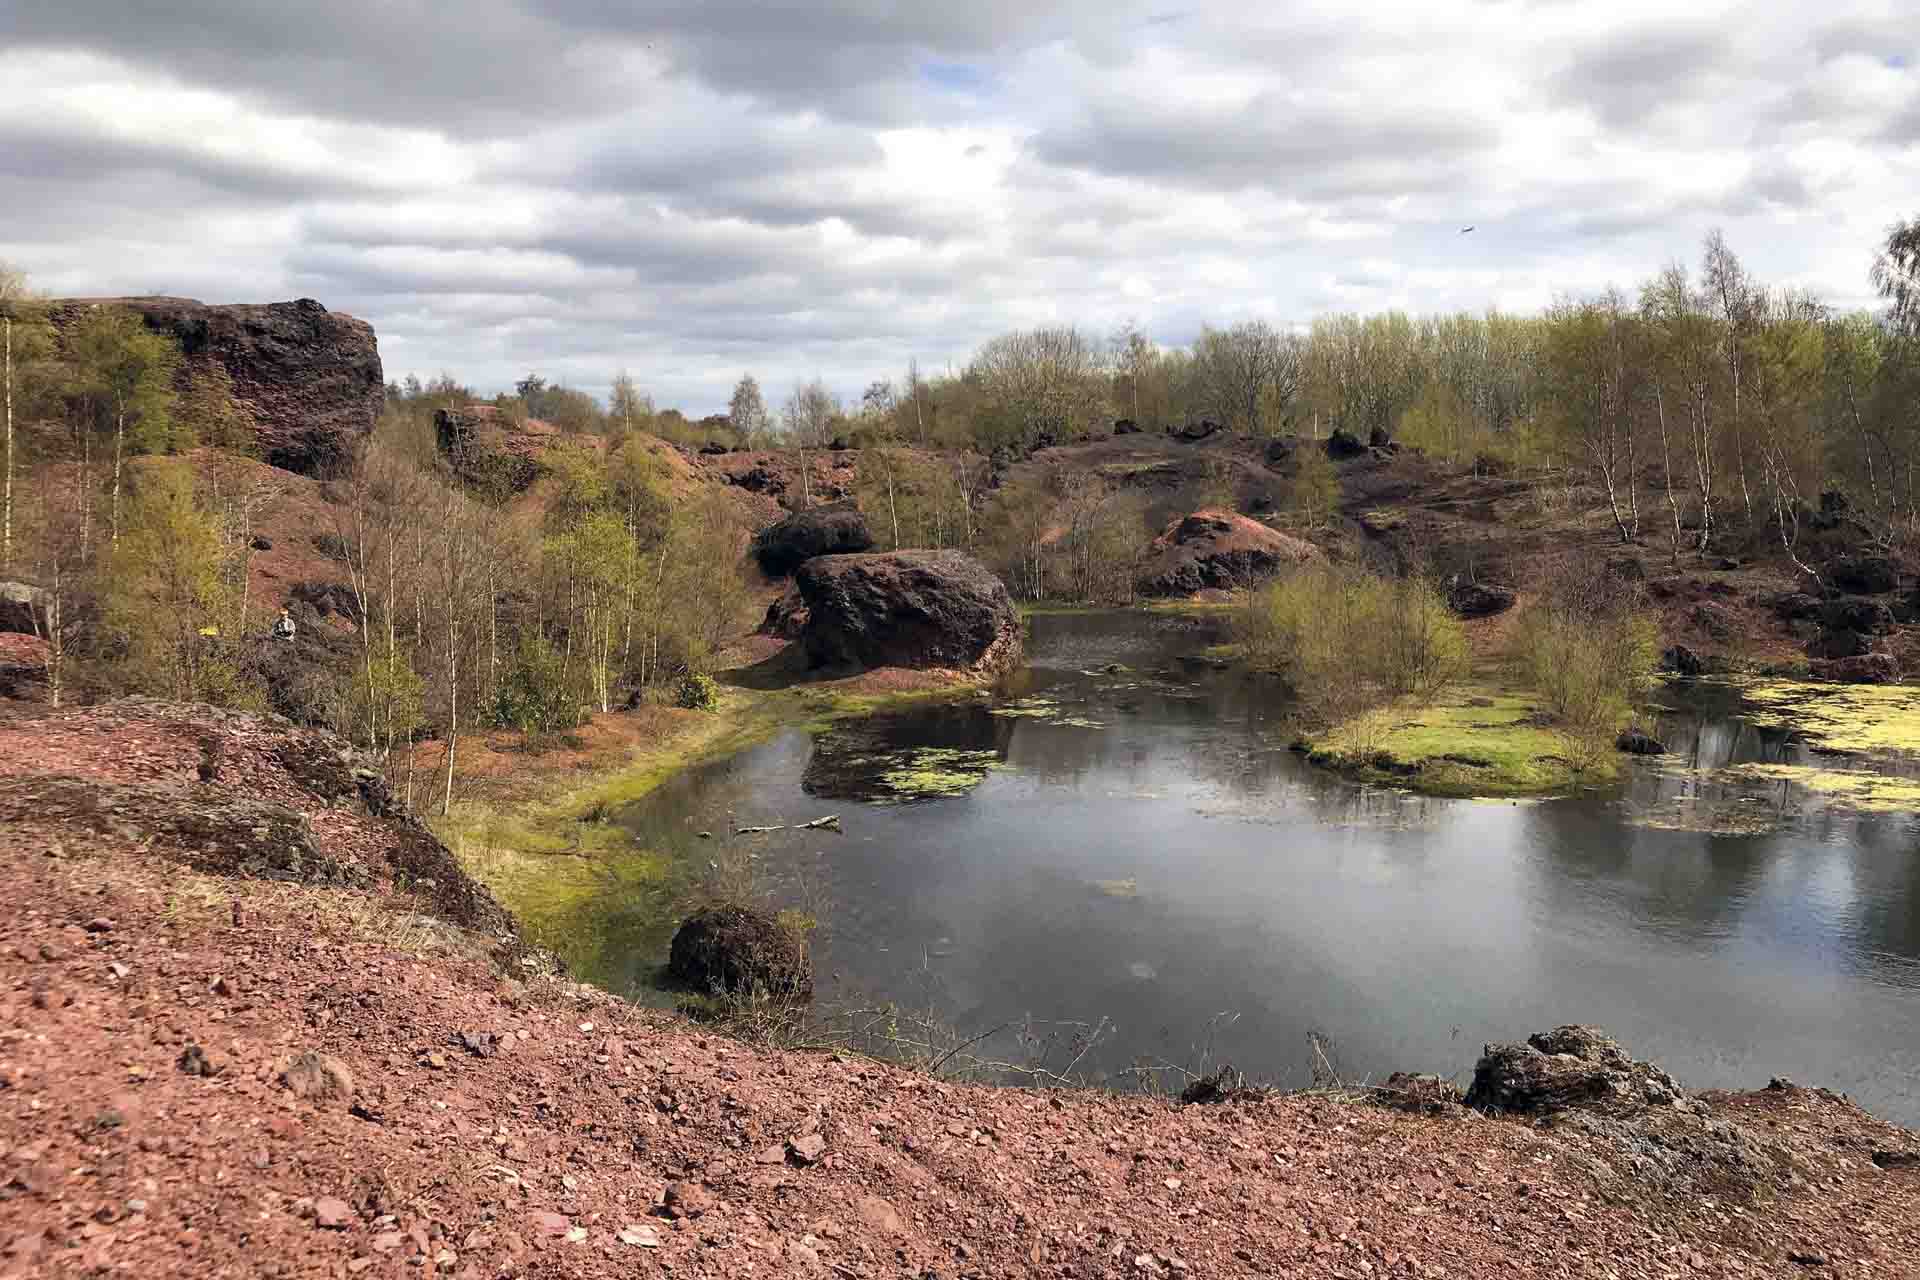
(1628, 79)
(1311, 150)
(65, 153)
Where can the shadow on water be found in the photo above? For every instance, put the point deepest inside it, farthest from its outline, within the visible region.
(1121, 838)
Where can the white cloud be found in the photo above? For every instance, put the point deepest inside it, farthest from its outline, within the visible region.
(701, 188)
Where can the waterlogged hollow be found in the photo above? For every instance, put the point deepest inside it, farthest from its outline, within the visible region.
(1122, 839)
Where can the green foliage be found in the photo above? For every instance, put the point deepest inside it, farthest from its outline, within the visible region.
(697, 691)
(209, 414)
(1348, 640)
(123, 372)
(167, 596)
(538, 694)
(1314, 491)
(1589, 648)
(389, 695)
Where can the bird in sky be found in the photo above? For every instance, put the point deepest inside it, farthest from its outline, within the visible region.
(1464, 230)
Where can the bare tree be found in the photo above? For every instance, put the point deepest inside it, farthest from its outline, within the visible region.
(627, 404)
(810, 414)
(14, 297)
(1237, 369)
(1041, 384)
(1735, 300)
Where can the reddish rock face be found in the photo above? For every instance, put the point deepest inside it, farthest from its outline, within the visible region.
(310, 378)
(907, 609)
(1220, 549)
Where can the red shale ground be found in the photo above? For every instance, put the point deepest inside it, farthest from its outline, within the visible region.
(456, 1122)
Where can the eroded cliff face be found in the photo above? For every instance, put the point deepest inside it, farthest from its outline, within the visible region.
(309, 378)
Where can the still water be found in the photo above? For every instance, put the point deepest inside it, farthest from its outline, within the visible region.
(1123, 840)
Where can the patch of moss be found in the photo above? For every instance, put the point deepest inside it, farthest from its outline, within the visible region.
(1476, 741)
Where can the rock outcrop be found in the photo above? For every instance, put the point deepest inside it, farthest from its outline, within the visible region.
(1857, 613)
(1218, 549)
(309, 379)
(489, 448)
(1864, 574)
(740, 951)
(786, 617)
(1479, 599)
(1565, 1068)
(1865, 668)
(24, 607)
(1343, 444)
(907, 609)
(1833, 642)
(838, 529)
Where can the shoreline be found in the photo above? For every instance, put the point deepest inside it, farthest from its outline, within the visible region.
(540, 838)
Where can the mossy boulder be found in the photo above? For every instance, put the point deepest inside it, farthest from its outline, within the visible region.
(732, 950)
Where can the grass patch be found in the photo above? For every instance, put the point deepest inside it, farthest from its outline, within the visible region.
(1477, 740)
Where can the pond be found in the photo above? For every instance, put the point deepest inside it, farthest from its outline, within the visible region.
(1122, 841)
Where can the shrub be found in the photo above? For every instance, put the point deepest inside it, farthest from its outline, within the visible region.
(1590, 651)
(538, 694)
(696, 692)
(1348, 640)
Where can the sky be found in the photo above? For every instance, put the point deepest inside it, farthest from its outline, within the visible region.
(693, 189)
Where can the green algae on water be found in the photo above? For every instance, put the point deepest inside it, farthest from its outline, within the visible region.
(1859, 719)
(929, 773)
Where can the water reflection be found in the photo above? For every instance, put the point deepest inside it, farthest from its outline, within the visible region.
(1145, 850)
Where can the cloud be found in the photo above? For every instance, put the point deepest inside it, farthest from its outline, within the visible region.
(694, 188)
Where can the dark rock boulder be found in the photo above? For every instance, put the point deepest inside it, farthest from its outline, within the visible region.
(308, 379)
(1126, 427)
(328, 599)
(1714, 620)
(907, 609)
(833, 530)
(1638, 742)
(740, 951)
(759, 479)
(1866, 575)
(1682, 661)
(713, 449)
(1856, 613)
(1218, 549)
(1835, 642)
(1378, 438)
(1200, 430)
(786, 617)
(1343, 444)
(1279, 450)
(1866, 668)
(23, 607)
(1568, 1068)
(1795, 606)
(1479, 599)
